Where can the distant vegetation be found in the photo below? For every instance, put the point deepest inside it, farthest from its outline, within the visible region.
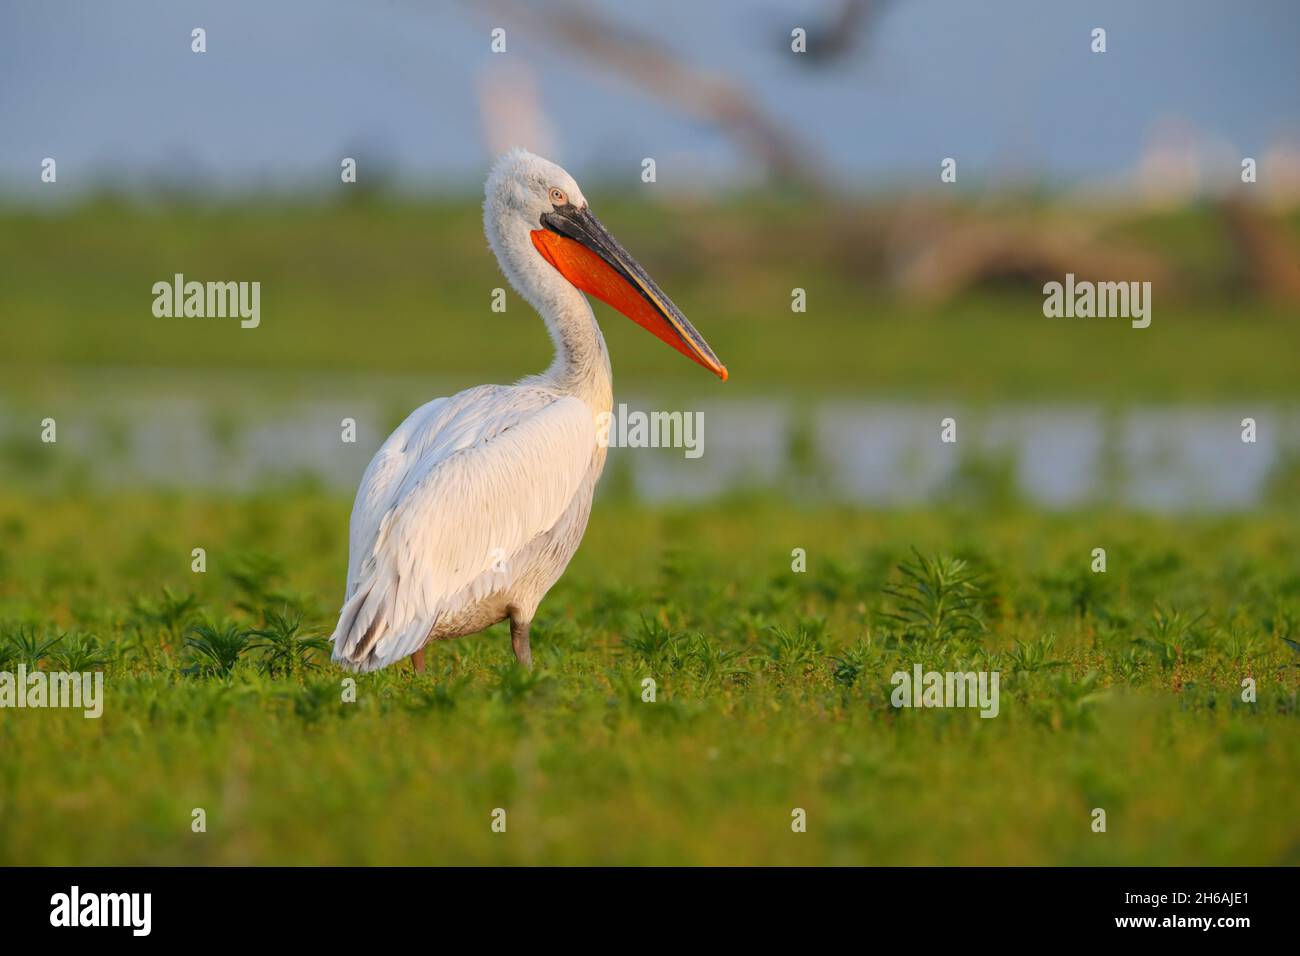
(378, 285)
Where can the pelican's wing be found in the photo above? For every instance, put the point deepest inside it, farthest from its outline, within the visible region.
(462, 486)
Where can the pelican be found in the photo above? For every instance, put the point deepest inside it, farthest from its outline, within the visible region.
(471, 510)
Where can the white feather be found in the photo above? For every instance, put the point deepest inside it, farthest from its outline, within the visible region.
(472, 508)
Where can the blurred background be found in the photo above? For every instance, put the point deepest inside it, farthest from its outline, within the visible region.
(774, 171)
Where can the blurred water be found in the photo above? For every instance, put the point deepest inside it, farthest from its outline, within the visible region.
(866, 452)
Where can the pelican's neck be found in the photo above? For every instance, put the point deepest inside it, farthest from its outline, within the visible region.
(581, 366)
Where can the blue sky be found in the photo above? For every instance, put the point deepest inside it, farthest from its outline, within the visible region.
(111, 89)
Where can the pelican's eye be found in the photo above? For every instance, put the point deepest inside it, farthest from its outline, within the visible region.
(558, 197)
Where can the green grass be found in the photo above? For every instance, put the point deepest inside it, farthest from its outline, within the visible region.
(1119, 691)
(387, 287)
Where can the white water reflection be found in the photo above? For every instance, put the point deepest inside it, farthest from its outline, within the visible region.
(867, 452)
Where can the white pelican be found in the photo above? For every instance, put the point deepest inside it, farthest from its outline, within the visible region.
(471, 510)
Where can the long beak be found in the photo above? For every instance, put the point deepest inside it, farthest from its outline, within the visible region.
(583, 251)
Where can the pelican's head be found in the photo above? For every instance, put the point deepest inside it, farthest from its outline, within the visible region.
(528, 193)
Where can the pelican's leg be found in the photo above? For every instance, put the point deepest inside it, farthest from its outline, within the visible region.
(519, 640)
(417, 661)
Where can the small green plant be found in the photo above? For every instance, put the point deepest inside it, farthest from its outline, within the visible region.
(1242, 644)
(849, 664)
(25, 645)
(285, 649)
(1130, 665)
(81, 652)
(712, 663)
(216, 647)
(1171, 637)
(1034, 655)
(657, 645)
(171, 612)
(937, 600)
(793, 652)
